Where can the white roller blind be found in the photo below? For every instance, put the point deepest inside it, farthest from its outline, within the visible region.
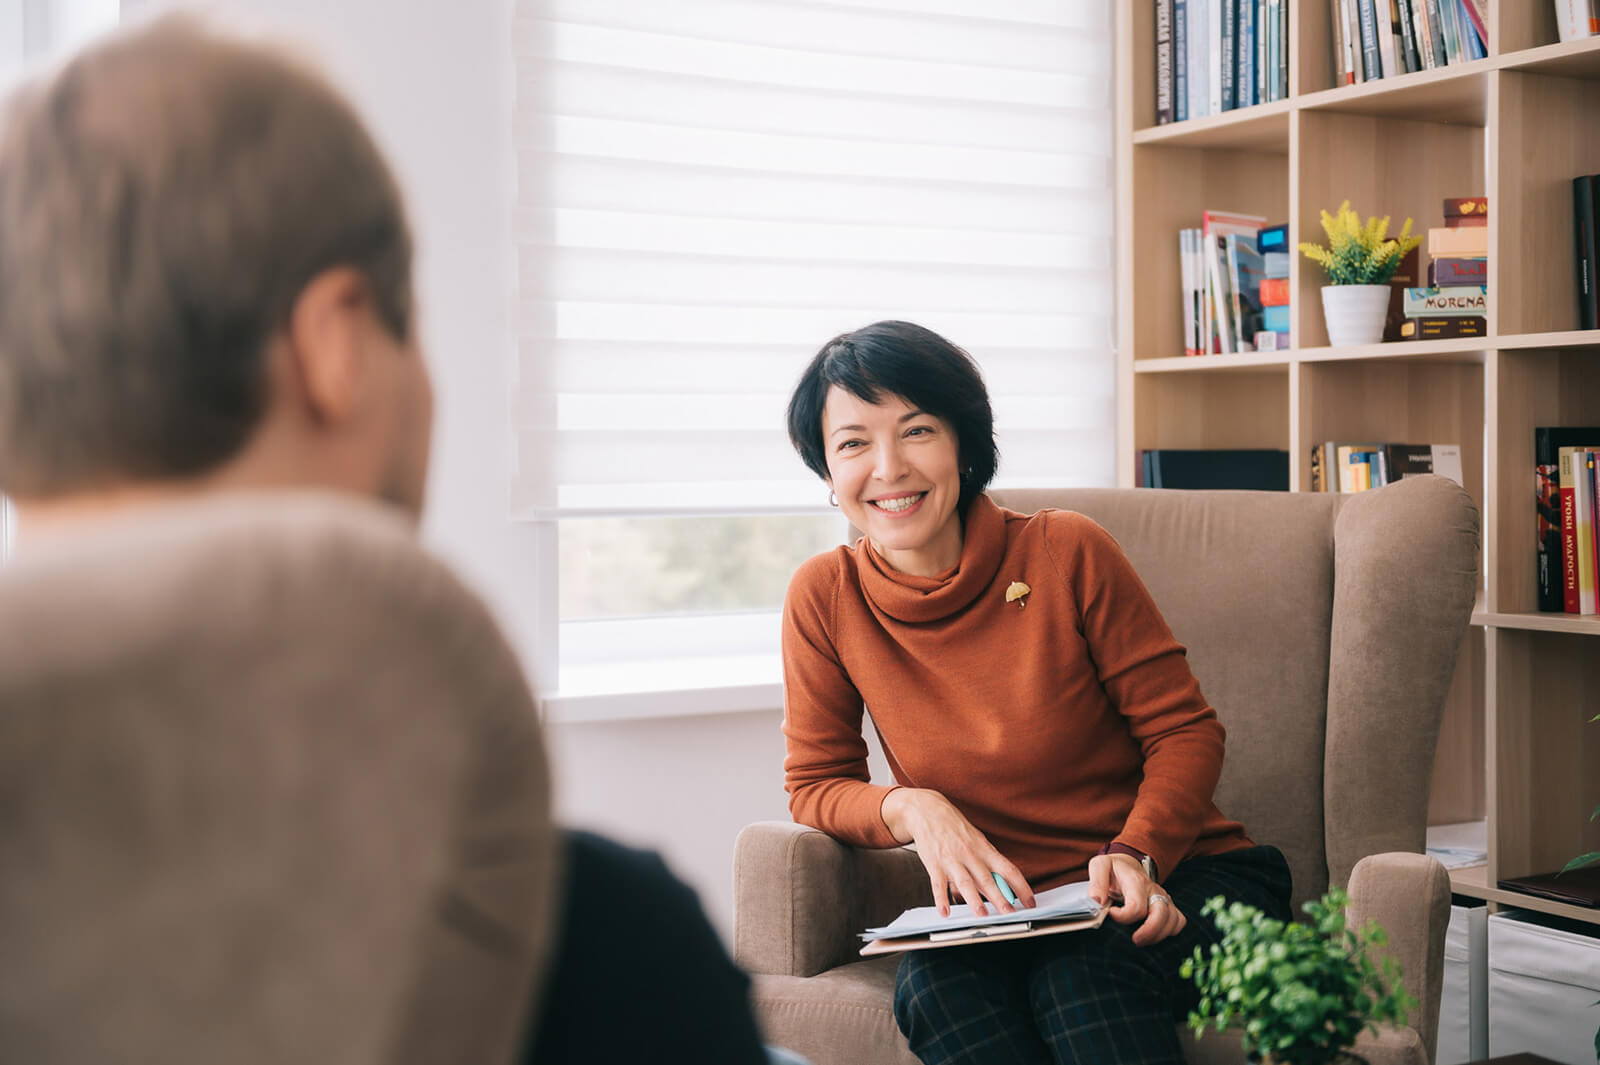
(708, 190)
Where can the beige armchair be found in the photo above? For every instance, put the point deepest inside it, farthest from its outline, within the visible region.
(1324, 629)
(273, 790)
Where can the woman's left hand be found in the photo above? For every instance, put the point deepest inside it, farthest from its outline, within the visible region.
(1120, 875)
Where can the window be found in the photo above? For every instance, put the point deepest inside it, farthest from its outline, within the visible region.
(707, 191)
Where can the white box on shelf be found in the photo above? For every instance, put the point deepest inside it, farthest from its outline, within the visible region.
(1544, 981)
(1464, 1000)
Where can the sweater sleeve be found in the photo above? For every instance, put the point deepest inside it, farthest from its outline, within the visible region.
(1146, 675)
(825, 761)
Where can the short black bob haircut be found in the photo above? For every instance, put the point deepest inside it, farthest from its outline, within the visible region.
(919, 366)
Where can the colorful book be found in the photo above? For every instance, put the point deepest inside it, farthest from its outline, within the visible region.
(1453, 302)
(1273, 239)
(1274, 291)
(1216, 307)
(1547, 444)
(1577, 532)
(1276, 318)
(1443, 328)
(1244, 282)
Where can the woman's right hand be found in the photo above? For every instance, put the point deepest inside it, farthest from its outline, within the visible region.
(959, 859)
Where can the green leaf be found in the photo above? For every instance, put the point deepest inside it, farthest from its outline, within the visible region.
(1580, 861)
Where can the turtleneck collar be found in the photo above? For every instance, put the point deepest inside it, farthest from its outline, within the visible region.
(922, 599)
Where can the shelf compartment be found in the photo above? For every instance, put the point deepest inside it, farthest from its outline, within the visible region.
(1542, 779)
(1393, 401)
(1176, 186)
(1533, 387)
(1473, 882)
(1384, 166)
(1554, 122)
(1456, 95)
(1226, 410)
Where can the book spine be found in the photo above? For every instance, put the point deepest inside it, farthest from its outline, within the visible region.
(1583, 524)
(1275, 292)
(1229, 58)
(1263, 39)
(1479, 19)
(1352, 42)
(1419, 19)
(1466, 206)
(1180, 60)
(1452, 271)
(1442, 328)
(1164, 111)
(1547, 522)
(1444, 242)
(1214, 64)
(1336, 40)
(1245, 85)
(1456, 302)
(1408, 37)
(1569, 533)
(1436, 33)
(1383, 28)
(1316, 469)
(1583, 215)
(1282, 48)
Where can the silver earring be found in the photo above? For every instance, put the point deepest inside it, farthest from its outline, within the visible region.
(833, 500)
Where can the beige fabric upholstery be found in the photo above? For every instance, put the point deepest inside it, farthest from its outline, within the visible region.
(1323, 628)
(272, 789)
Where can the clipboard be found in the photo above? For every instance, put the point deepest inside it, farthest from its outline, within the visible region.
(981, 935)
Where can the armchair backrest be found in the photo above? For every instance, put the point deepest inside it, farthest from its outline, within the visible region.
(1324, 629)
(271, 789)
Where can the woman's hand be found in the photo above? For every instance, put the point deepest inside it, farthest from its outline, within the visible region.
(959, 859)
(1121, 875)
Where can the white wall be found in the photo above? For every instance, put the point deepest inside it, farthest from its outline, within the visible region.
(434, 80)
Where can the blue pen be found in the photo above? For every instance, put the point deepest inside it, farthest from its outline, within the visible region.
(1005, 889)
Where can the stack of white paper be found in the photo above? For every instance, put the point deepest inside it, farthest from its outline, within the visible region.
(1066, 901)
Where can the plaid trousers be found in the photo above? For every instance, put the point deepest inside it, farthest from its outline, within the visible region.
(1090, 998)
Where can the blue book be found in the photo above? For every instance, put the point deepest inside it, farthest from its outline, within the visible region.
(1273, 238)
(1275, 319)
(1246, 82)
(1180, 60)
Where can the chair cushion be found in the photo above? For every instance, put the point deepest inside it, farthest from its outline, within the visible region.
(273, 790)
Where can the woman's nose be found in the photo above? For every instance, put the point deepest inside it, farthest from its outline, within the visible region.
(891, 465)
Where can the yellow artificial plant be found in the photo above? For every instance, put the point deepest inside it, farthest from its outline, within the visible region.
(1357, 253)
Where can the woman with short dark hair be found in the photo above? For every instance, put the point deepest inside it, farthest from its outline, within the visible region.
(1041, 721)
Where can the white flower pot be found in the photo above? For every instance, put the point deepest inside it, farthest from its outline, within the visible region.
(1355, 313)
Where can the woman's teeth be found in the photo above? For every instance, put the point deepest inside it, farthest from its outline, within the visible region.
(895, 505)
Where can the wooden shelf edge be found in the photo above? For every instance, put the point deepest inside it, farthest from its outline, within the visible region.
(1403, 84)
(1254, 360)
(1551, 55)
(1582, 625)
(1471, 882)
(1224, 130)
(1571, 338)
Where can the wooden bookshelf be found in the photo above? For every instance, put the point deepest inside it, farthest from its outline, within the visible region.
(1514, 750)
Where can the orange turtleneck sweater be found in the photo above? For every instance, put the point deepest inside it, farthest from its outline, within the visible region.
(1054, 726)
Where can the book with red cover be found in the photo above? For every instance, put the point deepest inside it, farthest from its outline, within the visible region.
(1580, 887)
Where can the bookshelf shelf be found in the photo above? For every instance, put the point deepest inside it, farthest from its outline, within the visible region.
(1454, 95)
(1588, 625)
(1514, 750)
(1263, 128)
(1574, 59)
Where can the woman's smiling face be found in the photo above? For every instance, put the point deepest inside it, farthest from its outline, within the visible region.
(896, 472)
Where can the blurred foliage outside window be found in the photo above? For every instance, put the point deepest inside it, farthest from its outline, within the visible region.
(645, 567)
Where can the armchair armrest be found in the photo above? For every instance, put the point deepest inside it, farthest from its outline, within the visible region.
(801, 898)
(1409, 895)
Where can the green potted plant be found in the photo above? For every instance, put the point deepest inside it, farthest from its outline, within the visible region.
(1359, 260)
(1299, 993)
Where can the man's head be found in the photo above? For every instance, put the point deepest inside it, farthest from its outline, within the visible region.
(205, 279)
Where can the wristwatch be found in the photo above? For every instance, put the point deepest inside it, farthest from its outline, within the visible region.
(1147, 863)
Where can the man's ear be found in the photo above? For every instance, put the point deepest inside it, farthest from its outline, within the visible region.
(325, 341)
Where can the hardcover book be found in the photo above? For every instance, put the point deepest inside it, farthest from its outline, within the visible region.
(1466, 207)
(1443, 328)
(1406, 275)
(1164, 110)
(1468, 243)
(1453, 302)
(1586, 261)
(1456, 271)
(1258, 469)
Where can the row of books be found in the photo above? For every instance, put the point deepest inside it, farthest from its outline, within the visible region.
(1340, 467)
(1217, 55)
(1455, 301)
(1585, 211)
(1375, 39)
(1234, 270)
(1568, 515)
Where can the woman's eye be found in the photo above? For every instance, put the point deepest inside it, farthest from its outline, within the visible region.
(919, 430)
(849, 445)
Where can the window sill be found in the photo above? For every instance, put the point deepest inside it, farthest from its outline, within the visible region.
(661, 688)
